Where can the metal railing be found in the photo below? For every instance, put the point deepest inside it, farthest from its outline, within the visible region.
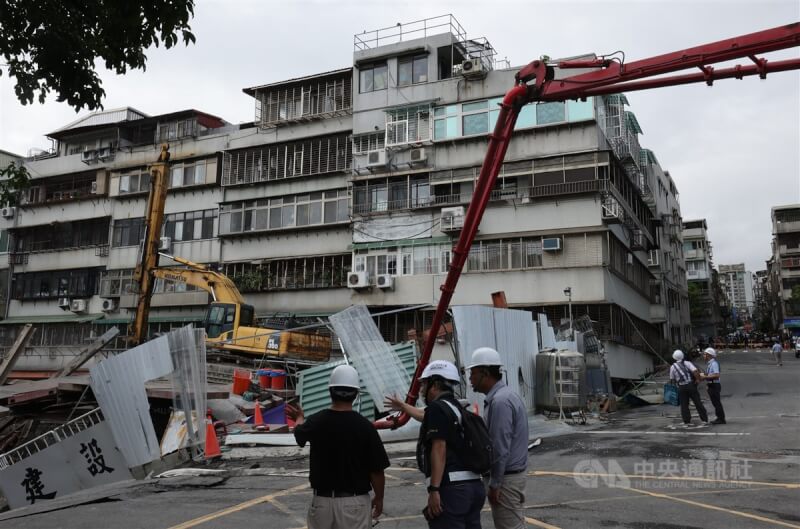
(408, 31)
(56, 435)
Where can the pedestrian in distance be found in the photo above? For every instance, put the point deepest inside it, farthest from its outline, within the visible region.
(777, 353)
(686, 376)
(455, 493)
(507, 419)
(712, 378)
(347, 458)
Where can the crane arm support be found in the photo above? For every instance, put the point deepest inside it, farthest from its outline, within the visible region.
(536, 82)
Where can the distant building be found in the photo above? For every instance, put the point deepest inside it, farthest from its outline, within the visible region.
(785, 268)
(738, 285)
(704, 302)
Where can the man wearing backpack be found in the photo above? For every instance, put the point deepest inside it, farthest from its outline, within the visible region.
(685, 374)
(455, 492)
(507, 420)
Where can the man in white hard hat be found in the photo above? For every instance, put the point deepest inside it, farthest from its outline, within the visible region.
(712, 377)
(507, 420)
(455, 494)
(685, 375)
(347, 458)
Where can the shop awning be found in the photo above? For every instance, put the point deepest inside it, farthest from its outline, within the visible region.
(57, 318)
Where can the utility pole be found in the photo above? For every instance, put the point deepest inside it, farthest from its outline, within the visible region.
(568, 292)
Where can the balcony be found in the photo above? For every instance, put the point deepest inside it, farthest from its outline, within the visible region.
(696, 255)
(785, 250)
(697, 275)
(786, 227)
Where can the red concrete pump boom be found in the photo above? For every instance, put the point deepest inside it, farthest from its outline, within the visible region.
(536, 82)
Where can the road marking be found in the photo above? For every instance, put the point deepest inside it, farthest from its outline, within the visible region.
(664, 478)
(236, 508)
(680, 432)
(713, 508)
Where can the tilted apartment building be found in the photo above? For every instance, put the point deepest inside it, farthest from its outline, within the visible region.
(785, 267)
(350, 186)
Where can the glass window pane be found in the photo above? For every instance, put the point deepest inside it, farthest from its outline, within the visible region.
(124, 184)
(451, 110)
(262, 219)
(288, 216)
(302, 214)
(177, 177)
(198, 229)
(440, 129)
(380, 75)
(341, 210)
(315, 213)
(366, 80)
(493, 115)
(452, 127)
(188, 175)
(179, 231)
(580, 110)
(420, 69)
(476, 124)
(330, 212)
(275, 218)
(477, 105)
(236, 222)
(404, 71)
(439, 111)
(550, 113)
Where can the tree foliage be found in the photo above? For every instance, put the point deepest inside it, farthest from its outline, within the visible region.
(13, 180)
(56, 45)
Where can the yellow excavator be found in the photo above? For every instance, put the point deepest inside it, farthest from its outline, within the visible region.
(229, 321)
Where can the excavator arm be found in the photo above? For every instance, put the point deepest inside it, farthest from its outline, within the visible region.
(537, 82)
(221, 288)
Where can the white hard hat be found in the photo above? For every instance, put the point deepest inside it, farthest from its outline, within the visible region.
(710, 351)
(677, 355)
(443, 368)
(344, 377)
(485, 356)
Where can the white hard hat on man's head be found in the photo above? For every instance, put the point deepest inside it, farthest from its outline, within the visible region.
(443, 368)
(485, 356)
(710, 351)
(677, 355)
(344, 377)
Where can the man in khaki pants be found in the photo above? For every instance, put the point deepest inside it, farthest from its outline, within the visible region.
(507, 420)
(347, 458)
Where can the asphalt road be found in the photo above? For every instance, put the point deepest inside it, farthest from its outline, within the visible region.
(635, 471)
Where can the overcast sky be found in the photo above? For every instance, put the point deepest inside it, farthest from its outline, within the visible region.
(733, 149)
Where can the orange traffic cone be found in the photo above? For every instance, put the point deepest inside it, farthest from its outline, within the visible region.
(212, 445)
(258, 419)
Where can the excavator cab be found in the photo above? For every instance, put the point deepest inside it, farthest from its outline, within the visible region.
(226, 317)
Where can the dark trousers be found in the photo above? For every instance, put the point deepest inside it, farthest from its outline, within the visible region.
(685, 393)
(714, 389)
(462, 502)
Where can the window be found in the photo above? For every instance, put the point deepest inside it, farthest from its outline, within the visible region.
(327, 271)
(134, 182)
(128, 232)
(117, 283)
(373, 77)
(191, 173)
(408, 125)
(310, 209)
(412, 70)
(62, 236)
(391, 194)
(190, 226)
(79, 283)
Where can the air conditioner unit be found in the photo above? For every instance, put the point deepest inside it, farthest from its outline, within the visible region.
(78, 305)
(106, 153)
(109, 305)
(612, 210)
(418, 155)
(357, 280)
(164, 244)
(552, 244)
(89, 156)
(376, 158)
(472, 67)
(451, 219)
(8, 212)
(94, 188)
(385, 281)
(63, 303)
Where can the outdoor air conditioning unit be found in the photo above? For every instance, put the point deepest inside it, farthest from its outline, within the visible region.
(553, 244)
(106, 153)
(612, 211)
(385, 281)
(376, 158)
(452, 219)
(94, 188)
(89, 156)
(8, 212)
(164, 244)
(472, 67)
(109, 305)
(418, 155)
(63, 303)
(78, 305)
(357, 280)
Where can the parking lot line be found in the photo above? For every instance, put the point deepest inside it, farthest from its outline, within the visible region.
(714, 508)
(244, 505)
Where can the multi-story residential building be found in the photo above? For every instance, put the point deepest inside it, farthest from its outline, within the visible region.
(738, 285)
(785, 270)
(762, 315)
(350, 187)
(705, 308)
(6, 159)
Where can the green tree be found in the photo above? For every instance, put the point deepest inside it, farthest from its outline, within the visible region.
(695, 302)
(53, 45)
(13, 179)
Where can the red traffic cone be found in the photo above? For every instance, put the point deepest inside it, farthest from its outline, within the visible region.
(258, 419)
(212, 445)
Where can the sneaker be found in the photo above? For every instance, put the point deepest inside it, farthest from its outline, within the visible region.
(718, 421)
(686, 425)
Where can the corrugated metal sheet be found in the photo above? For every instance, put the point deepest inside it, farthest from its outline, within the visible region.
(511, 332)
(57, 318)
(313, 383)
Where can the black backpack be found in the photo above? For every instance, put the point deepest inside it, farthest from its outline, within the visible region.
(474, 448)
